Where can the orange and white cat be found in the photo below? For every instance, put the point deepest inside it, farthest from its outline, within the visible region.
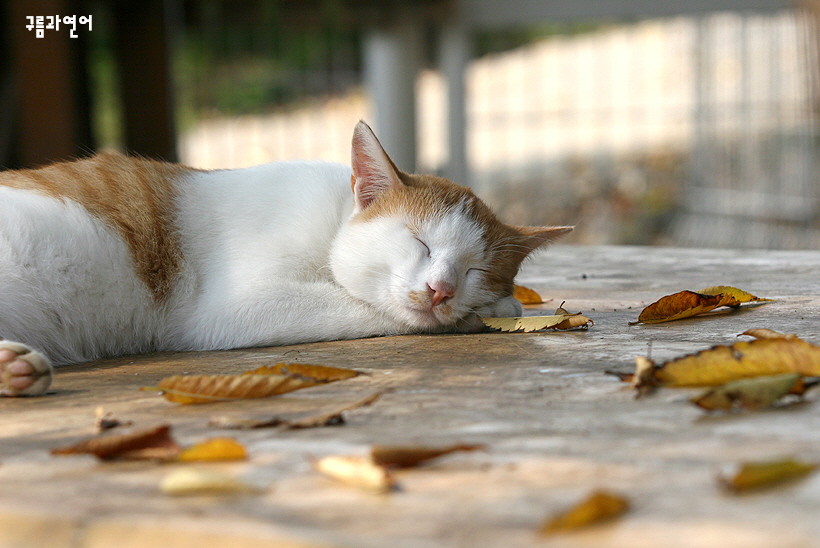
(115, 255)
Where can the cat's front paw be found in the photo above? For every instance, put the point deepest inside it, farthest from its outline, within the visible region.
(502, 308)
(23, 371)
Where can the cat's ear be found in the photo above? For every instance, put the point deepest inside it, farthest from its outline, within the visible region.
(538, 236)
(373, 171)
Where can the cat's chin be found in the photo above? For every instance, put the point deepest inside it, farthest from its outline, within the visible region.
(426, 319)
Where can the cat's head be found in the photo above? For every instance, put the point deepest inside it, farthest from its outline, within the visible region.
(423, 249)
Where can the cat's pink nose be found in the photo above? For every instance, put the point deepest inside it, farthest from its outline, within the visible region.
(440, 292)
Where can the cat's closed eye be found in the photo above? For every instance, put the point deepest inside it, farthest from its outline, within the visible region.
(426, 247)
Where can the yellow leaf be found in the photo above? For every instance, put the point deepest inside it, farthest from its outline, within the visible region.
(210, 388)
(188, 481)
(561, 320)
(599, 507)
(525, 324)
(357, 471)
(752, 393)
(737, 294)
(525, 295)
(763, 333)
(721, 364)
(759, 475)
(214, 449)
(316, 373)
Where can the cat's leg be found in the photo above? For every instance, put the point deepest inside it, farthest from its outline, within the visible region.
(506, 307)
(23, 371)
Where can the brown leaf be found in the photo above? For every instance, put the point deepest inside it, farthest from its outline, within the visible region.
(525, 295)
(209, 388)
(214, 449)
(152, 444)
(681, 305)
(405, 456)
(599, 507)
(357, 471)
(106, 421)
(751, 393)
(244, 423)
(761, 475)
(686, 304)
(317, 373)
(763, 333)
(331, 418)
(721, 364)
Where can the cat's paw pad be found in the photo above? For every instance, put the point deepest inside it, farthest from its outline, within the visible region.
(23, 371)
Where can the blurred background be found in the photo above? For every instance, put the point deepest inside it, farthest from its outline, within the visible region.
(641, 122)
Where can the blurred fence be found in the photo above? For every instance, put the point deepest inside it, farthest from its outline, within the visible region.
(698, 131)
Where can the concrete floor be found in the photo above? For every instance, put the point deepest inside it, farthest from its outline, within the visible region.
(555, 426)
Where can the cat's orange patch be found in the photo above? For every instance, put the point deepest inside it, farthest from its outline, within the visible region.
(133, 196)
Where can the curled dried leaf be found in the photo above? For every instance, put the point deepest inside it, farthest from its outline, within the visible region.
(686, 304)
(678, 306)
(733, 293)
(562, 320)
(751, 393)
(599, 507)
(525, 295)
(214, 449)
(751, 476)
(763, 333)
(357, 471)
(331, 418)
(151, 444)
(405, 456)
(722, 364)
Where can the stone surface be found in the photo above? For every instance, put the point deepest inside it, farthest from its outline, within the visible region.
(555, 427)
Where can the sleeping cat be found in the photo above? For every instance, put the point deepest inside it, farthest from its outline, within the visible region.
(115, 255)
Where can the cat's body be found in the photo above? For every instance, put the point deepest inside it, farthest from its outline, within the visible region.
(114, 255)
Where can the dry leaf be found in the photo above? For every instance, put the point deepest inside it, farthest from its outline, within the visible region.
(214, 449)
(686, 304)
(525, 295)
(760, 475)
(106, 421)
(404, 456)
(357, 471)
(561, 320)
(733, 293)
(763, 333)
(752, 393)
(331, 418)
(722, 364)
(152, 444)
(599, 507)
(243, 423)
(317, 373)
(210, 388)
(192, 481)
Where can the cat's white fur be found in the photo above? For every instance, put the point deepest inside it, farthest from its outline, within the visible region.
(272, 255)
